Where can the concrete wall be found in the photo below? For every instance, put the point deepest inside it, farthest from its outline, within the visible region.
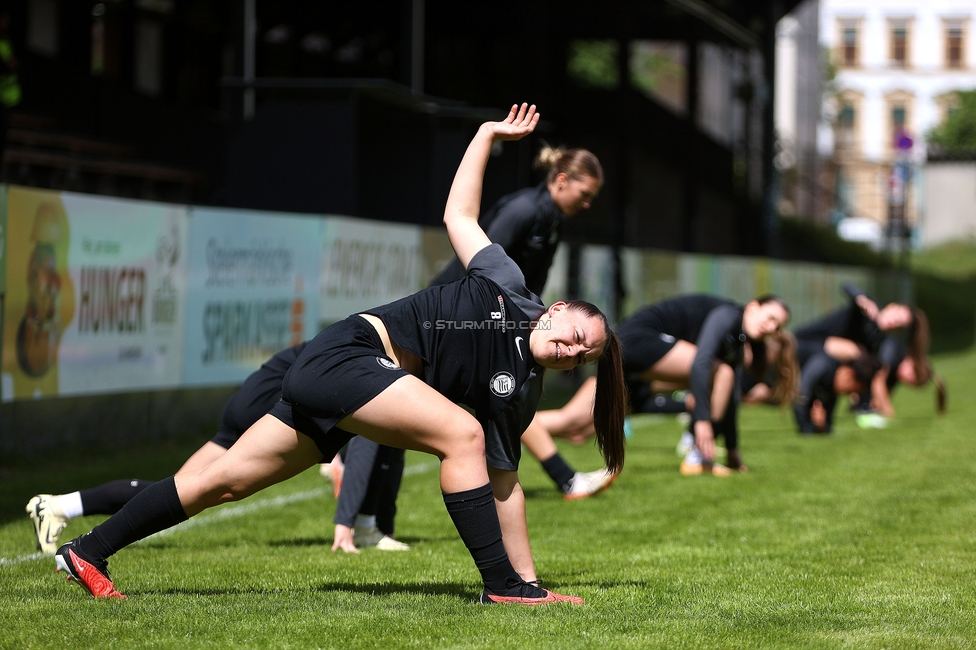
(949, 202)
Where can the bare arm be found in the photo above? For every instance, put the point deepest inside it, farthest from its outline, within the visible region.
(880, 396)
(510, 504)
(464, 201)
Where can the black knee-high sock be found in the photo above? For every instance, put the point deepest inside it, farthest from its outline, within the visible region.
(108, 498)
(559, 471)
(152, 510)
(476, 520)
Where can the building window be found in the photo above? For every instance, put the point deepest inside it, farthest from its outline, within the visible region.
(849, 47)
(954, 46)
(898, 121)
(898, 118)
(845, 126)
(899, 45)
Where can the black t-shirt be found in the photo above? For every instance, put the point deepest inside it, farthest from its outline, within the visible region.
(527, 224)
(816, 383)
(472, 336)
(713, 324)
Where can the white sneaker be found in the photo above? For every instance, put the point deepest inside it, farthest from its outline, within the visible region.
(373, 537)
(586, 484)
(366, 536)
(387, 543)
(47, 525)
(685, 444)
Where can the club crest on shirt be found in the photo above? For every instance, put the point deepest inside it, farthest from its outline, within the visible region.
(502, 384)
(386, 363)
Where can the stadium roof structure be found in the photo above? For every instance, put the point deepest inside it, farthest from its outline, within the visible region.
(383, 94)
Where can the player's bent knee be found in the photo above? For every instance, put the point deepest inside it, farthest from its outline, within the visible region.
(468, 440)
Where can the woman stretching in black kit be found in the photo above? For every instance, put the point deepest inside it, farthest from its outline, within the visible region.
(691, 341)
(393, 374)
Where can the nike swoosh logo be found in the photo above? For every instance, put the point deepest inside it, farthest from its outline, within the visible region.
(518, 341)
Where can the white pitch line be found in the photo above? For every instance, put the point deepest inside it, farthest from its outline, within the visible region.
(232, 511)
(11, 561)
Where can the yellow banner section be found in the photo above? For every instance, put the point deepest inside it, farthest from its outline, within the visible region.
(40, 296)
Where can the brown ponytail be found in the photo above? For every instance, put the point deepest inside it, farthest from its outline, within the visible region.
(611, 393)
(918, 348)
(918, 337)
(575, 163)
(786, 388)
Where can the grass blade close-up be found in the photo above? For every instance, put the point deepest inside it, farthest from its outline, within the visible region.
(863, 538)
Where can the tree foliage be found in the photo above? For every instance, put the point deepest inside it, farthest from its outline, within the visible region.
(957, 133)
(593, 63)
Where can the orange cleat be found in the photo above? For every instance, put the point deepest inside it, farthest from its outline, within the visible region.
(90, 573)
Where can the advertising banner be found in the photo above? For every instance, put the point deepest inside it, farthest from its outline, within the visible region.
(252, 291)
(94, 296)
(366, 264)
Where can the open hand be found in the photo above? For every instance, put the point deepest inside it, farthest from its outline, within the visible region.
(343, 540)
(818, 415)
(520, 122)
(868, 306)
(705, 440)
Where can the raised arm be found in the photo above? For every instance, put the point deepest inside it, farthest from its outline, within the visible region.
(867, 306)
(464, 201)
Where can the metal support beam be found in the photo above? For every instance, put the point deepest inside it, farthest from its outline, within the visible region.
(250, 35)
(718, 21)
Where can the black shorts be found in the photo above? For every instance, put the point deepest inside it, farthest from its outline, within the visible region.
(643, 351)
(643, 400)
(241, 411)
(639, 393)
(342, 368)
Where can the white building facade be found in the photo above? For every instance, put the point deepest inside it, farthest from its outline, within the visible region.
(897, 64)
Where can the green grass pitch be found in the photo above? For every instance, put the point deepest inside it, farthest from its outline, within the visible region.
(862, 539)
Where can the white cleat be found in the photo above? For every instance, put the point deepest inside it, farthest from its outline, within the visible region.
(686, 444)
(47, 525)
(587, 484)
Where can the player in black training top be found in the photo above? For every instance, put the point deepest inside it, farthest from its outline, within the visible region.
(862, 328)
(822, 380)
(528, 225)
(694, 341)
(392, 374)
